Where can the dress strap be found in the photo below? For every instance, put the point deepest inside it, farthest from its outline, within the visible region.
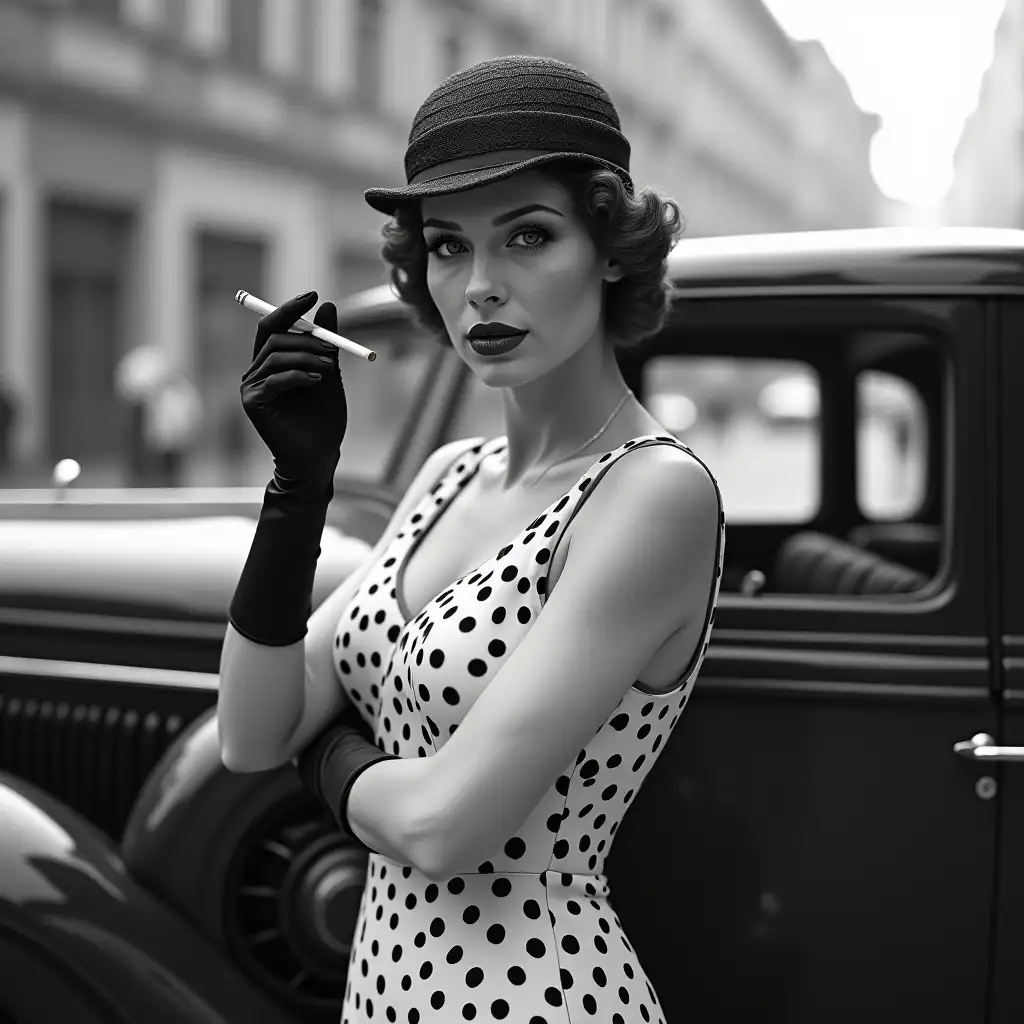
(466, 463)
(470, 453)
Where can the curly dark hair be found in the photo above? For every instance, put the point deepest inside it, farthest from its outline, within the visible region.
(637, 231)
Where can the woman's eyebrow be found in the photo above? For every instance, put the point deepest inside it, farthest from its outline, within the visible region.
(450, 225)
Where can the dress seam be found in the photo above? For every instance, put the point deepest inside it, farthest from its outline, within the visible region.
(558, 959)
(547, 903)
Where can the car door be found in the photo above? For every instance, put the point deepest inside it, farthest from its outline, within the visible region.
(1007, 768)
(809, 847)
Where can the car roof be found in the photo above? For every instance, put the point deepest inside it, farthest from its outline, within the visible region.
(938, 259)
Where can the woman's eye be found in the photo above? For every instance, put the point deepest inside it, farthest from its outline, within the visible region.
(436, 245)
(521, 238)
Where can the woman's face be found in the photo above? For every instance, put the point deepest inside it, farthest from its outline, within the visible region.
(514, 251)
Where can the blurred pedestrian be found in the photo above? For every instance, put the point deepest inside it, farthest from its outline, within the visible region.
(138, 375)
(170, 426)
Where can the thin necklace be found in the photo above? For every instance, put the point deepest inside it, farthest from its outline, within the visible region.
(589, 440)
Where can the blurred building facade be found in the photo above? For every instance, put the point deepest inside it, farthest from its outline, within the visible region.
(158, 155)
(770, 136)
(740, 83)
(988, 177)
(834, 187)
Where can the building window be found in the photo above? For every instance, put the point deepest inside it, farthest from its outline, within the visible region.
(369, 42)
(227, 452)
(245, 33)
(88, 277)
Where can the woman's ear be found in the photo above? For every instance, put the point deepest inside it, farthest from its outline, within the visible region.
(613, 271)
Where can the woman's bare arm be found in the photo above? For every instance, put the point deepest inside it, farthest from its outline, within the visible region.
(273, 700)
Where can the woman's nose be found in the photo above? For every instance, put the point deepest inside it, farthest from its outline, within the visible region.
(483, 287)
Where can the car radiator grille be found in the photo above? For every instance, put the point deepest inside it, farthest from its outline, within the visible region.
(93, 758)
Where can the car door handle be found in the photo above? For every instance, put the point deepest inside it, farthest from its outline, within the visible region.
(983, 748)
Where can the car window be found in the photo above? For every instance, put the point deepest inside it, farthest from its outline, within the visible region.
(382, 395)
(892, 447)
(754, 421)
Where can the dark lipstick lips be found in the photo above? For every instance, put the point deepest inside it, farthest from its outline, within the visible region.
(497, 345)
(492, 330)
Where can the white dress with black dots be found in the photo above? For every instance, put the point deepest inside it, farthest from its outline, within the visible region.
(530, 936)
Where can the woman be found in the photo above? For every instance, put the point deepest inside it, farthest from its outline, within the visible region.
(525, 636)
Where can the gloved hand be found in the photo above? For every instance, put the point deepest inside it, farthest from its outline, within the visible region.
(333, 761)
(301, 419)
(309, 761)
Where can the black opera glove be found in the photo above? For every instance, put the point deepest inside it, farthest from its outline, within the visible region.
(303, 424)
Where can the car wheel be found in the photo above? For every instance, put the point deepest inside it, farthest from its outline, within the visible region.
(291, 897)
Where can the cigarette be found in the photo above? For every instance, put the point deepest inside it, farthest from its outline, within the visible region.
(250, 302)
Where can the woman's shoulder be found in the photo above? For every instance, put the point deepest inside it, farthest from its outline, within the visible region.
(660, 485)
(651, 527)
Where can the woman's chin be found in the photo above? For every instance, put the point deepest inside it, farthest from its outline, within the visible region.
(506, 376)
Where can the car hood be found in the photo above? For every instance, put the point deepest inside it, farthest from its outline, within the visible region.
(190, 566)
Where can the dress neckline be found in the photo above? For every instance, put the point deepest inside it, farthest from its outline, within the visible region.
(488, 448)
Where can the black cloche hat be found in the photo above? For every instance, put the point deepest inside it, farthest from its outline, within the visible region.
(501, 116)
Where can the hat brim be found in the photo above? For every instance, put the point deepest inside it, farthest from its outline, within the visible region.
(388, 200)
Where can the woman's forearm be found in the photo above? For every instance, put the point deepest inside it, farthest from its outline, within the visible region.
(260, 700)
(387, 811)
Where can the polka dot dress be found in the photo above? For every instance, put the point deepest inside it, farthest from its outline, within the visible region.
(531, 936)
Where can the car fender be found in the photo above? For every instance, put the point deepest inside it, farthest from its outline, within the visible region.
(254, 863)
(66, 894)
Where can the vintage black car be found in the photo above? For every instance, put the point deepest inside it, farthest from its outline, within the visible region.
(833, 835)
